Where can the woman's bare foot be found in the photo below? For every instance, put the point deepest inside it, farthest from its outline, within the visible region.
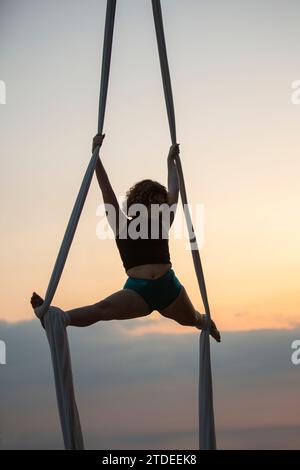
(36, 300)
(214, 332)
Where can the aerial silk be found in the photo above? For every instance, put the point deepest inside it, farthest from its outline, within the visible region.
(54, 319)
(207, 438)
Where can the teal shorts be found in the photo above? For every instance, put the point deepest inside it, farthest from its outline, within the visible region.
(157, 293)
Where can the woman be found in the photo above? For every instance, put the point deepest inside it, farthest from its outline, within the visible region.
(151, 284)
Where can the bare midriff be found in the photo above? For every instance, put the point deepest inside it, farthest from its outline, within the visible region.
(149, 271)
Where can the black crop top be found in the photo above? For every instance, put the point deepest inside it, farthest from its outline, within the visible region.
(136, 246)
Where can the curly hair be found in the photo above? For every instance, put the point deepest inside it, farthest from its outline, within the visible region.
(146, 192)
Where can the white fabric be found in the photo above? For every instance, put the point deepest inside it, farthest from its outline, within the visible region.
(207, 439)
(53, 318)
(55, 321)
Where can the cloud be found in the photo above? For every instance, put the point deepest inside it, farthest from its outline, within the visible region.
(140, 390)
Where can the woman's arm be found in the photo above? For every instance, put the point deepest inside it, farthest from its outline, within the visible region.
(108, 193)
(173, 180)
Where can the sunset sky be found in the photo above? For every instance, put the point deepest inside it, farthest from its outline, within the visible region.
(232, 65)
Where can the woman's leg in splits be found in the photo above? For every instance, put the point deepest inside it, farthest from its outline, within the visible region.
(183, 311)
(122, 305)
